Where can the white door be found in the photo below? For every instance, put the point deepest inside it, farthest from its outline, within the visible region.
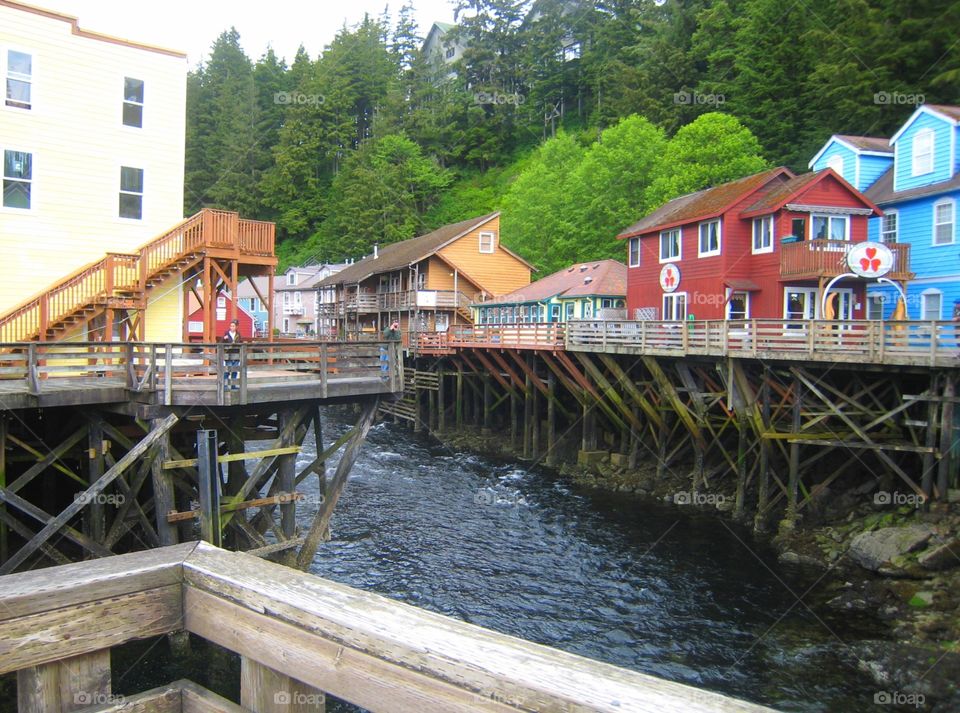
(800, 303)
(675, 306)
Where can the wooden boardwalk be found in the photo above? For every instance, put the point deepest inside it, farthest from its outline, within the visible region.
(147, 376)
(906, 343)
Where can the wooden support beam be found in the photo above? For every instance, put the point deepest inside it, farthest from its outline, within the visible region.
(628, 419)
(4, 535)
(51, 459)
(45, 519)
(623, 379)
(552, 455)
(95, 522)
(277, 499)
(164, 498)
(286, 478)
(66, 685)
(926, 479)
(322, 519)
(669, 392)
(946, 436)
(263, 690)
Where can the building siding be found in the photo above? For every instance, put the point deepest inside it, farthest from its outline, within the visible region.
(164, 313)
(79, 143)
(498, 273)
(943, 134)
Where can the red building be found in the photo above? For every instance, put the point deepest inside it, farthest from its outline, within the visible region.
(764, 246)
(195, 321)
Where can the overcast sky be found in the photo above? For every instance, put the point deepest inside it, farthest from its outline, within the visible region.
(193, 25)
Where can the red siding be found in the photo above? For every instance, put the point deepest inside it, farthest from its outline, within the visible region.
(245, 320)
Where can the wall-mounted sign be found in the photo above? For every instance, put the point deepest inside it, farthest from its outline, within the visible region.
(870, 259)
(669, 277)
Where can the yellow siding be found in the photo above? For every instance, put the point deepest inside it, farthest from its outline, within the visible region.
(498, 272)
(439, 274)
(78, 143)
(164, 321)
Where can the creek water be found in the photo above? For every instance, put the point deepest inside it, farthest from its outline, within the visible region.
(688, 597)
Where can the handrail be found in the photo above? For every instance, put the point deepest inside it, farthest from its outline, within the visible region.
(98, 280)
(828, 258)
(361, 647)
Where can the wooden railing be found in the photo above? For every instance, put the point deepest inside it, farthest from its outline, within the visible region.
(545, 335)
(120, 274)
(212, 374)
(931, 343)
(828, 258)
(299, 637)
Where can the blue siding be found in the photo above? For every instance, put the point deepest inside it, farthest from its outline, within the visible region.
(942, 167)
(871, 168)
(834, 148)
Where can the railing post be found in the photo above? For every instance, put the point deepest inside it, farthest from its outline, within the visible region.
(108, 265)
(167, 374)
(219, 354)
(243, 373)
(323, 370)
(933, 343)
(44, 315)
(152, 385)
(209, 486)
(33, 375)
(131, 370)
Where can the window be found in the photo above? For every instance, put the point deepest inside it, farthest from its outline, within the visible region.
(943, 223)
(451, 52)
(286, 325)
(587, 309)
(670, 245)
(131, 192)
(922, 152)
(633, 251)
(875, 307)
(570, 52)
(486, 242)
(554, 313)
(422, 280)
(763, 234)
(292, 277)
(738, 306)
(930, 304)
(888, 227)
(297, 298)
(830, 227)
(836, 163)
(19, 79)
(709, 238)
(17, 179)
(606, 303)
(568, 311)
(286, 299)
(675, 307)
(132, 102)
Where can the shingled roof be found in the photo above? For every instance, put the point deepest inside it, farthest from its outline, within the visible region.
(599, 277)
(407, 252)
(703, 204)
(867, 143)
(881, 192)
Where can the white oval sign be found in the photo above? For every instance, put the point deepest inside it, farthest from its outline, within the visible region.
(669, 277)
(870, 259)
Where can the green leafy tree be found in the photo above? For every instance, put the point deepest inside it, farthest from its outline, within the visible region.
(713, 149)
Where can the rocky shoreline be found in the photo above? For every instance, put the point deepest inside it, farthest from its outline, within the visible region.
(871, 553)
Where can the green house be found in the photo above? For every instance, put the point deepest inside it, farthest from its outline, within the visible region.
(588, 290)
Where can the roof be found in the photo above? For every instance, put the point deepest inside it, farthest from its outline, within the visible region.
(703, 204)
(407, 252)
(881, 192)
(598, 277)
(75, 29)
(867, 143)
(245, 288)
(779, 196)
(315, 273)
(944, 111)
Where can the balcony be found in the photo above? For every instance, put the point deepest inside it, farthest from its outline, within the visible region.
(293, 310)
(813, 259)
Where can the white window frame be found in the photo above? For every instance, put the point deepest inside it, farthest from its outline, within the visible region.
(586, 309)
(812, 294)
(926, 153)
(124, 101)
(746, 305)
(298, 299)
(487, 235)
(292, 278)
(5, 64)
(835, 161)
(896, 226)
(709, 253)
(761, 221)
(633, 252)
(32, 180)
(830, 217)
(141, 194)
(286, 299)
(679, 255)
(286, 325)
(673, 298)
(569, 311)
(948, 203)
(923, 303)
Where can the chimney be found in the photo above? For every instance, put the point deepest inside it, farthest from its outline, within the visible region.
(376, 250)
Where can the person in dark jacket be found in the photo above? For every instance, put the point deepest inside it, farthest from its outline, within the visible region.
(232, 378)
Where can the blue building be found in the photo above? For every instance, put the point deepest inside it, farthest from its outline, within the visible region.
(915, 179)
(249, 300)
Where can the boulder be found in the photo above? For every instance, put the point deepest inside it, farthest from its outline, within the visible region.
(941, 556)
(876, 550)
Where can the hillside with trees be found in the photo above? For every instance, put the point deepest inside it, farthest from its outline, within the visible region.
(575, 118)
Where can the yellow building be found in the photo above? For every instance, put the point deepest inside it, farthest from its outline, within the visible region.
(92, 134)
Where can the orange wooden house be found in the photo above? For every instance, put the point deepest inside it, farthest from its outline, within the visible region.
(426, 283)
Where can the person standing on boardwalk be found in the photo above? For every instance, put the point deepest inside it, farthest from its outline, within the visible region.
(390, 334)
(232, 355)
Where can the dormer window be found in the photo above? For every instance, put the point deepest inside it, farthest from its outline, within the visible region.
(923, 152)
(292, 278)
(836, 163)
(486, 242)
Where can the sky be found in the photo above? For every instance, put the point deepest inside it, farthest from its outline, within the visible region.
(193, 25)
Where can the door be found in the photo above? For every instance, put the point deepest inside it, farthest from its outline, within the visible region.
(675, 306)
(442, 322)
(800, 303)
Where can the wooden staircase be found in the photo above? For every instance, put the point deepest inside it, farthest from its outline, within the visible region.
(122, 280)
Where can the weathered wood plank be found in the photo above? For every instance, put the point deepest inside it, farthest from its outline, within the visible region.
(196, 699)
(165, 699)
(91, 626)
(389, 648)
(264, 690)
(38, 591)
(231, 457)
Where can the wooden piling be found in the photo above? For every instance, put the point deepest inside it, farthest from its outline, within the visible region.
(208, 484)
(552, 455)
(946, 436)
(95, 517)
(287, 473)
(793, 481)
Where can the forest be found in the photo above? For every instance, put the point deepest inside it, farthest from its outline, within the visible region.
(573, 118)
